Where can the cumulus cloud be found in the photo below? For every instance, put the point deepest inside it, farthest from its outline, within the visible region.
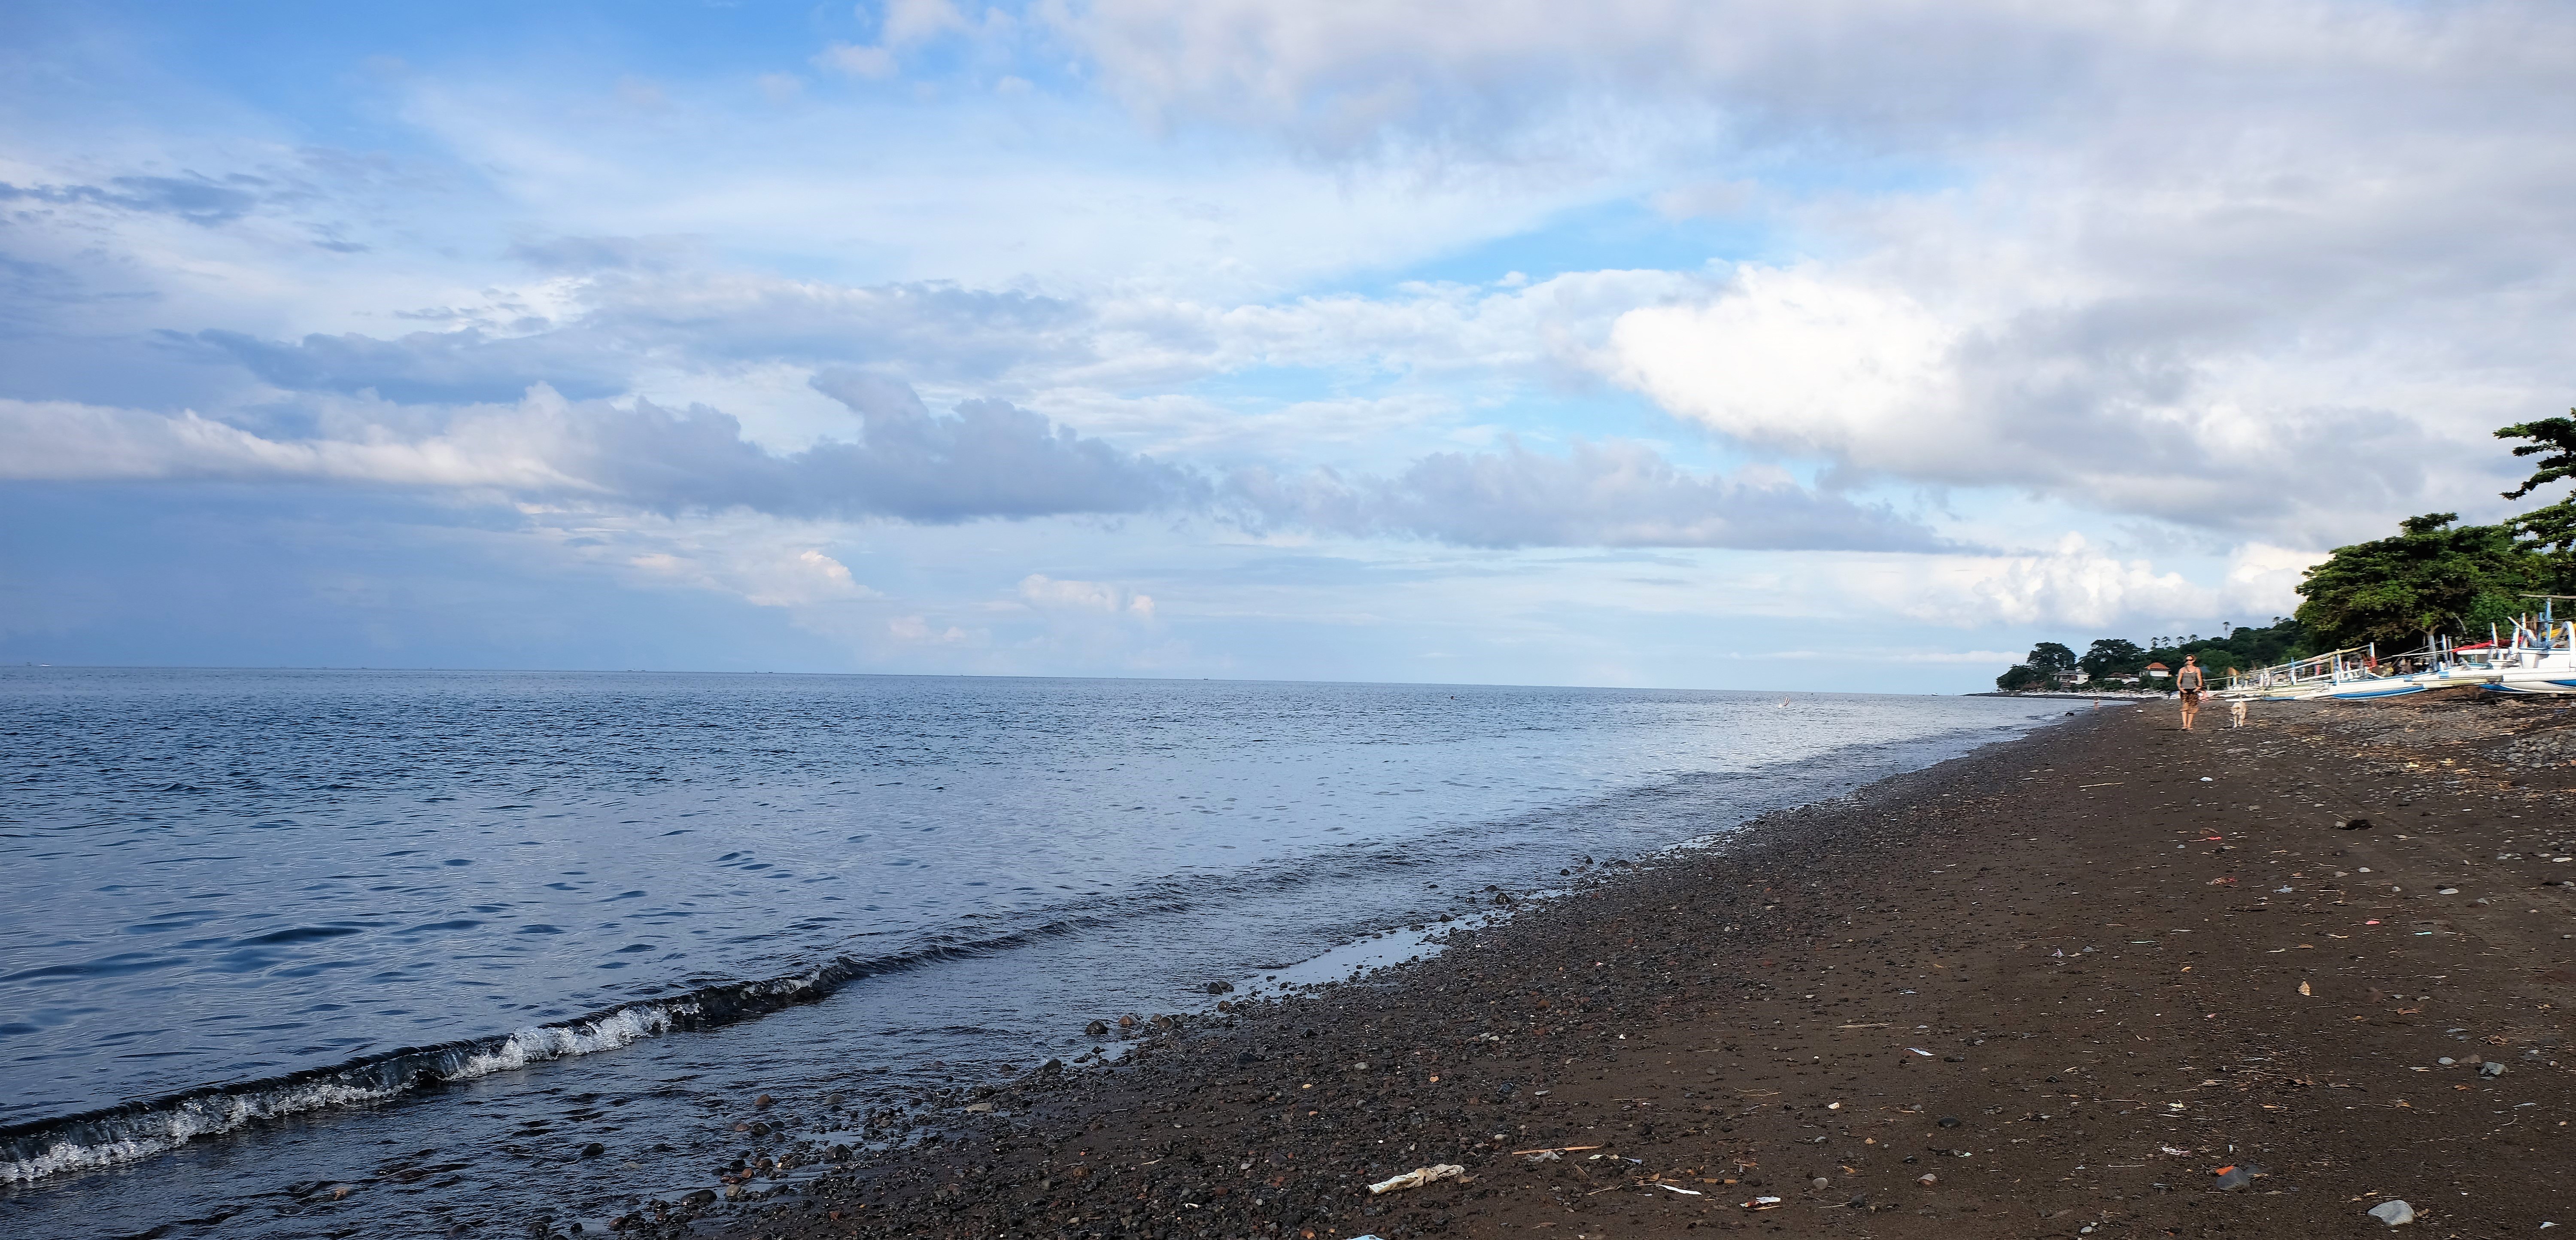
(1597, 495)
(2075, 584)
(1095, 597)
(2271, 268)
(2108, 404)
(796, 579)
(986, 459)
(908, 24)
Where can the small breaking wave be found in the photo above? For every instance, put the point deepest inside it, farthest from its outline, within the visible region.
(121, 1134)
(135, 1130)
(110, 1136)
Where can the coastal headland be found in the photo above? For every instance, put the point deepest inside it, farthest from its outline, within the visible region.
(2112, 980)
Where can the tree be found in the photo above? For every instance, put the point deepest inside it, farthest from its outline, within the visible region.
(2020, 677)
(2052, 659)
(2430, 577)
(2112, 656)
(2551, 528)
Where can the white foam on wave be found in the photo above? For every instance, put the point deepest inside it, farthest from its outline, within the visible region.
(126, 1138)
(537, 1044)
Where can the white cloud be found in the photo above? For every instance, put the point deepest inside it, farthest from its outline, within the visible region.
(986, 459)
(2262, 581)
(2268, 268)
(858, 60)
(1099, 597)
(1596, 495)
(763, 577)
(1796, 360)
(908, 22)
(2072, 584)
(920, 631)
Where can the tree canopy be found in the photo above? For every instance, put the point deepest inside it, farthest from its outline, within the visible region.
(2550, 529)
(2112, 656)
(2431, 577)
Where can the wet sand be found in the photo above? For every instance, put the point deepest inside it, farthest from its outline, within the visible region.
(2048, 989)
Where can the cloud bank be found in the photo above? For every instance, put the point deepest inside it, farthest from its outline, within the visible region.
(986, 459)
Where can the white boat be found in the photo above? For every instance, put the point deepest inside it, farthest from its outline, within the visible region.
(2359, 674)
(2542, 658)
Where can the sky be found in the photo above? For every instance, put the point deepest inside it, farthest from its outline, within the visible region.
(1852, 344)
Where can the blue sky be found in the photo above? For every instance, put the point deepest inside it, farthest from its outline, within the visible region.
(1688, 344)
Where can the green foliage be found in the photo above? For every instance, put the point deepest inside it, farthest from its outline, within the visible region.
(2431, 577)
(2113, 656)
(2550, 529)
(2022, 677)
(2109, 658)
(2243, 649)
(2556, 436)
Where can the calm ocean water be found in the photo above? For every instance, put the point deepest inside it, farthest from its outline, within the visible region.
(258, 929)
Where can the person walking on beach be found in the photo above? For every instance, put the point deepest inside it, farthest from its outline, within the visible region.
(2188, 683)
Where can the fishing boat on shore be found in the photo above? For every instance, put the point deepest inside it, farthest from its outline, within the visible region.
(2537, 657)
(2542, 658)
(2350, 675)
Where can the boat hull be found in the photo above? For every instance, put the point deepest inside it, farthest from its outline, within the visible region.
(2555, 684)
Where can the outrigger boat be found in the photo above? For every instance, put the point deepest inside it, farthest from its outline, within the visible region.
(2351, 675)
(2542, 658)
(2539, 657)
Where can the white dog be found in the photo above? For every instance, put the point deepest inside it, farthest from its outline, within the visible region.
(2236, 713)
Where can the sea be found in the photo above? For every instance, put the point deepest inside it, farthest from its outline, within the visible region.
(290, 953)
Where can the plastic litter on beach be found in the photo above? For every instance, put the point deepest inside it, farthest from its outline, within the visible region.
(1687, 1192)
(1920, 1051)
(1418, 1177)
(1763, 1203)
(2393, 1213)
(2236, 1177)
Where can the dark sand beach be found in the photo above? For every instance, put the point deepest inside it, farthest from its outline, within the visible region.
(2049, 989)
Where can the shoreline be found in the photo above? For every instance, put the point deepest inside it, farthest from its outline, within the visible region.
(2035, 954)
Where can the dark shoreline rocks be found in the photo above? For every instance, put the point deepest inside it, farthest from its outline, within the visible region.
(2022, 993)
